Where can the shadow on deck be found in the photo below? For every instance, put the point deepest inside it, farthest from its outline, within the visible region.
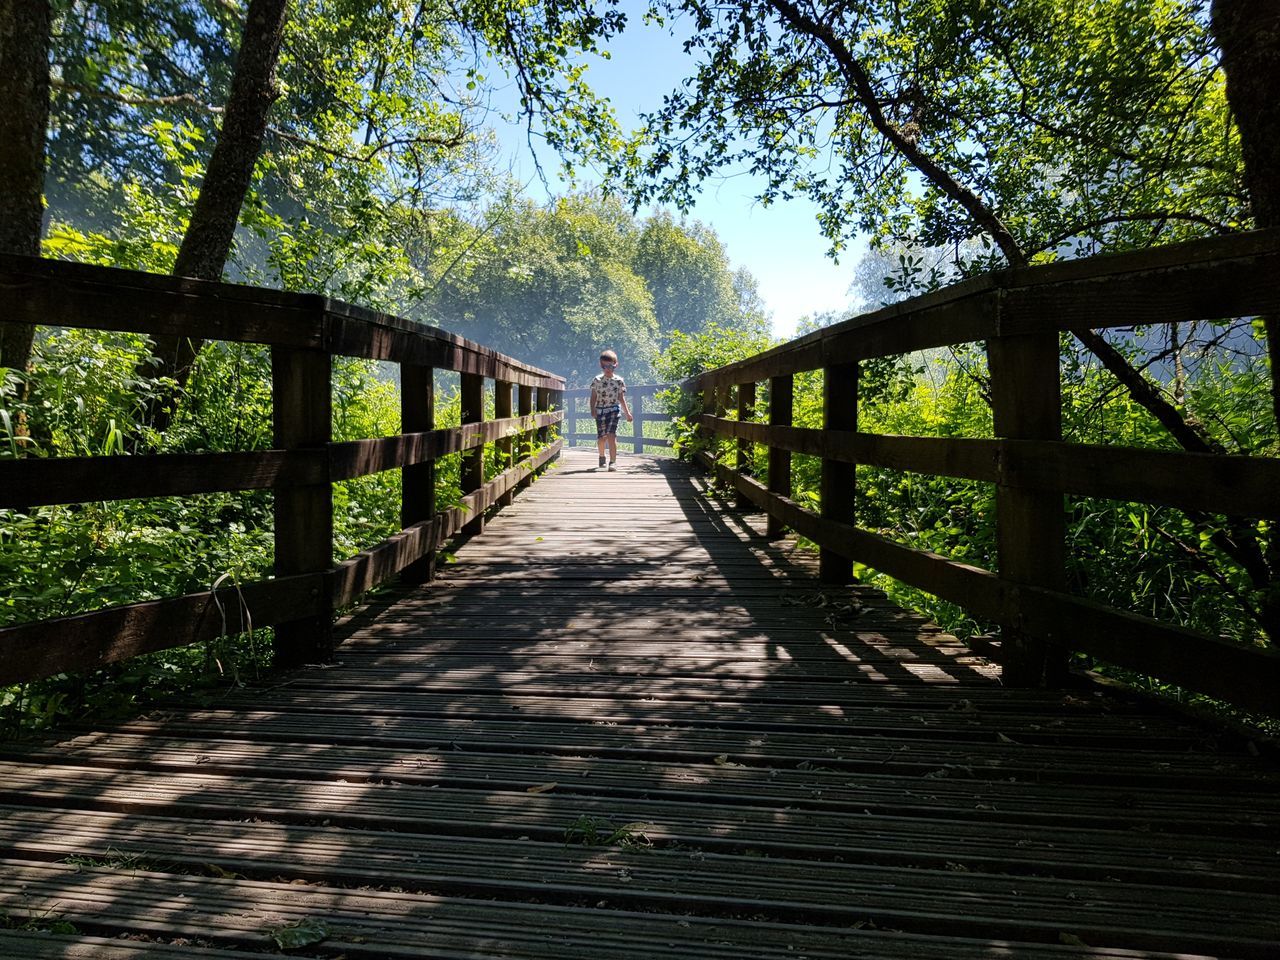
(624, 724)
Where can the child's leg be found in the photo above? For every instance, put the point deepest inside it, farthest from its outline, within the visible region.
(613, 446)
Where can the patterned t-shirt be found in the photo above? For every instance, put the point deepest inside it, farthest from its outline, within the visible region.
(608, 390)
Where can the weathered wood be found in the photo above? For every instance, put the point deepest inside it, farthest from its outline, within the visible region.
(746, 413)
(1234, 485)
(37, 481)
(637, 425)
(545, 403)
(429, 789)
(980, 591)
(1026, 401)
(837, 492)
(524, 407)
(472, 469)
(417, 479)
(502, 409)
(358, 458)
(1199, 279)
(302, 419)
(781, 406)
(89, 641)
(79, 295)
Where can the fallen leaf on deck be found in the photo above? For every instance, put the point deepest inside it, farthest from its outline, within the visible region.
(542, 788)
(300, 934)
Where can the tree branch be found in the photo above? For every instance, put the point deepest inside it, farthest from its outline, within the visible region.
(859, 81)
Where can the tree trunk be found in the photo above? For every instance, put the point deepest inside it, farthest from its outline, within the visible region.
(207, 242)
(24, 120)
(1248, 33)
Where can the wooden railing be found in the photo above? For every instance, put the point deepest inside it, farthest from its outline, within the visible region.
(1019, 314)
(641, 401)
(304, 332)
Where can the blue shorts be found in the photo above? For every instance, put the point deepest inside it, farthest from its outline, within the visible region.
(607, 420)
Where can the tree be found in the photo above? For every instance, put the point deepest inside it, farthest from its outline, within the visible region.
(687, 273)
(24, 91)
(553, 284)
(1248, 32)
(557, 282)
(206, 245)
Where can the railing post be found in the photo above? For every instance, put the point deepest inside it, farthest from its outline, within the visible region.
(718, 405)
(839, 412)
(524, 408)
(417, 480)
(544, 406)
(637, 411)
(781, 405)
(1026, 400)
(506, 446)
(473, 459)
(745, 448)
(302, 418)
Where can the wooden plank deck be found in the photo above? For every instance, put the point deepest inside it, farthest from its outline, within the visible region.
(623, 724)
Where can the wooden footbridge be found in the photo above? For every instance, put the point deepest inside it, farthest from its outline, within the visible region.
(633, 718)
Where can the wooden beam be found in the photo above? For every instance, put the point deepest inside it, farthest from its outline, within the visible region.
(781, 407)
(1229, 485)
(1200, 279)
(746, 411)
(89, 641)
(524, 441)
(838, 482)
(637, 425)
(39, 291)
(502, 411)
(472, 393)
(417, 480)
(38, 481)
(1026, 400)
(301, 409)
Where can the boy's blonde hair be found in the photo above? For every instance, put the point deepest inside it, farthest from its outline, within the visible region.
(609, 355)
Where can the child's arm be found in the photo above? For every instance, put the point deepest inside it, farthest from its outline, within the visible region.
(623, 397)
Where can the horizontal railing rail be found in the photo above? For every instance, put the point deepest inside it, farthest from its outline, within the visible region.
(1019, 314)
(303, 332)
(639, 398)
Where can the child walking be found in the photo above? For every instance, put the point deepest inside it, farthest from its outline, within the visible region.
(608, 403)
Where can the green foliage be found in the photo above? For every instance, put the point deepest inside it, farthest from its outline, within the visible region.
(300, 933)
(591, 831)
(688, 354)
(555, 284)
(1074, 124)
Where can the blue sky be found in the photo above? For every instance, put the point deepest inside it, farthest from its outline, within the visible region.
(780, 244)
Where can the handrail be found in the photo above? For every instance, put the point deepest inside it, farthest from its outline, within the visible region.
(636, 397)
(303, 331)
(1019, 313)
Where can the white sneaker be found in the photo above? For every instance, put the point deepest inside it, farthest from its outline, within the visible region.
(613, 467)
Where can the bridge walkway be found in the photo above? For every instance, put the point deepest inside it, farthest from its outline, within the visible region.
(622, 723)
